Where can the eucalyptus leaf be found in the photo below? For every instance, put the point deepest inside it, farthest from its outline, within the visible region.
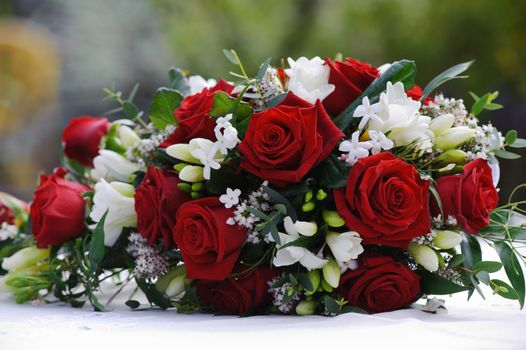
(506, 154)
(165, 102)
(331, 305)
(519, 143)
(262, 70)
(488, 266)
(513, 269)
(503, 289)
(447, 75)
(178, 81)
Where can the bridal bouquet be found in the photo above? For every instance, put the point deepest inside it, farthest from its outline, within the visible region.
(314, 187)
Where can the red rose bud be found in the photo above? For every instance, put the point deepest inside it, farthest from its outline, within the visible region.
(209, 246)
(57, 211)
(380, 284)
(470, 197)
(284, 143)
(192, 116)
(156, 202)
(350, 78)
(385, 201)
(238, 296)
(81, 138)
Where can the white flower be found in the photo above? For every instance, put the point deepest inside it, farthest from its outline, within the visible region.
(354, 148)
(379, 142)
(198, 83)
(309, 79)
(117, 199)
(227, 140)
(111, 166)
(128, 137)
(223, 123)
(7, 231)
(208, 154)
(424, 256)
(344, 246)
(291, 255)
(401, 118)
(367, 112)
(25, 257)
(230, 198)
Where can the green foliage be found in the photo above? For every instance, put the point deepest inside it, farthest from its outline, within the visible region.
(434, 284)
(332, 172)
(178, 81)
(513, 269)
(164, 103)
(225, 104)
(485, 103)
(445, 76)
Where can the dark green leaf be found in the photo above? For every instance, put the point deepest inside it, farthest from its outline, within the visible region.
(503, 289)
(471, 250)
(153, 295)
(449, 74)
(331, 305)
(456, 261)
(488, 266)
(132, 304)
(332, 172)
(164, 103)
(506, 154)
(353, 309)
(262, 70)
(275, 195)
(434, 284)
(301, 241)
(403, 71)
(304, 279)
(511, 137)
(130, 109)
(178, 81)
(513, 268)
(96, 245)
(275, 234)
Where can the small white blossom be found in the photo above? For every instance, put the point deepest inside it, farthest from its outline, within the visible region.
(7, 231)
(230, 198)
(148, 261)
(208, 160)
(379, 142)
(223, 123)
(367, 112)
(354, 148)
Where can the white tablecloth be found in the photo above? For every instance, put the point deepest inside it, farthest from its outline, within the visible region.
(493, 324)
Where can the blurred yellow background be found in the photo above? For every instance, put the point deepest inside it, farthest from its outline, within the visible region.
(57, 55)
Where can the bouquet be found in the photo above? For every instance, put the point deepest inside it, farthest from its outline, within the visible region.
(314, 187)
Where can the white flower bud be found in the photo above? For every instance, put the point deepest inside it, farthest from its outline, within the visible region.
(306, 307)
(181, 151)
(111, 166)
(442, 123)
(128, 137)
(344, 246)
(306, 228)
(331, 273)
(172, 284)
(25, 257)
(192, 173)
(445, 239)
(453, 137)
(424, 256)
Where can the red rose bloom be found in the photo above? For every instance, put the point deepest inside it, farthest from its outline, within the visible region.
(209, 246)
(238, 296)
(416, 93)
(81, 138)
(470, 197)
(156, 202)
(284, 143)
(57, 211)
(6, 214)
(192, 116)
(350, 78)
(385, 201)
(380, 284)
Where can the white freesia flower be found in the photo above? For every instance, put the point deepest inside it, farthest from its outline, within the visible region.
(379, 142)
(355, 149)
(309, 79)
(181, 151)
(401, 118)
(291, 255)
(117, 199)
(367, 112)
(198, 83)
(446, 239)
(129, 138)
(344, 246)
(111, 166)
(226, 140)
(230, 198)
(208, 154)
(25, 257)
(424, 256)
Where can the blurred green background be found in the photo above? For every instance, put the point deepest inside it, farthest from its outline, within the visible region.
(98, 43)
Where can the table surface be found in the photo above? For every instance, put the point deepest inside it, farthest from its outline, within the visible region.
(491, 324)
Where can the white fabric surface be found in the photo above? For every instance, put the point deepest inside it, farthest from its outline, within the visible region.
(493, 324)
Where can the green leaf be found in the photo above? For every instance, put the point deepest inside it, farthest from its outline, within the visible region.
(153, 295)
(456, 261)
(262, 70)
(478, 106)
(513, 269)
(275, 195)
(331, 305)
(519, 143)
(257, 213)
(332, 172)
(229, 54)
(434, 284)
(275, 234)
(304, 279)
(470, 247)
(132, 304)
(503, 289)
(506, 154)
(511, 137)
(475, 97)
(488, 266)
(276, 100)
(301, 241)
(225, 104)
(164, 103)
(130, 109)
(178, 81)
(403, 71)
(493, 106)
(449, 74)
(96, 245)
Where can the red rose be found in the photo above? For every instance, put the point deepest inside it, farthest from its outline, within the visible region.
(470, 197)
(237, 296)
(81, 138)
(57, 211)
(192, 116)
(350, 79)
(209, 246)
(7, 214)
(284, 143)
(156, 202)
(385, 201)
(416, 93)
(380, 284)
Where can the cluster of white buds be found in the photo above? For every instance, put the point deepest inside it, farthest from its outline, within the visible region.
(442, 105)
(148, 262)
(285, 291)
(7, 231)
